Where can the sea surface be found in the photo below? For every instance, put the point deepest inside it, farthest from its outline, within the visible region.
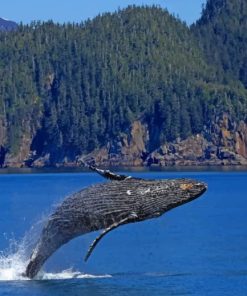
(199, 248)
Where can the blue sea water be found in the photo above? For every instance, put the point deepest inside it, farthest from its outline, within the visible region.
(199, 248)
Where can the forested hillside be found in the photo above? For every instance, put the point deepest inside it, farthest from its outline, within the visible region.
(6, 25)
(222, 34)
(69, 91)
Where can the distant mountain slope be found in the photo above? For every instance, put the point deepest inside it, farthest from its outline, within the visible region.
(222, 34)
(6, 25)
(133, 87)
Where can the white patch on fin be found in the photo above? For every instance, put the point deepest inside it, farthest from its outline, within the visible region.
(128, 192)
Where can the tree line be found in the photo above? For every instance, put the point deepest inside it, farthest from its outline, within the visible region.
(74, 87)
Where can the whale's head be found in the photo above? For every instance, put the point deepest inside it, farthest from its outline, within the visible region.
(163, 195)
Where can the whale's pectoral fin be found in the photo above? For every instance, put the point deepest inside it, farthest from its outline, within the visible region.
(131, 218)
(108, 174)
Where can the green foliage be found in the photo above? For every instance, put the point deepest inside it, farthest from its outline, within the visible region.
(76, 86)
(222, 34)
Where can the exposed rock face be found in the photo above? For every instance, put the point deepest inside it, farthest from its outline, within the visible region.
(127, 150)
(195, 150)
(223, 143)
(23, 153)
(190, 151)
(241, 140)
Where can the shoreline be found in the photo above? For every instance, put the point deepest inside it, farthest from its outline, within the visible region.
(64, 169)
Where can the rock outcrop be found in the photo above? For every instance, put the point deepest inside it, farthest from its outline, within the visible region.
(18, 160)
(127, 150)
(224, 142)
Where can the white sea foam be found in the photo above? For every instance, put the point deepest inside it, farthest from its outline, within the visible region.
(14, 260)
(69, 274)
(13, 263)
(13, 266)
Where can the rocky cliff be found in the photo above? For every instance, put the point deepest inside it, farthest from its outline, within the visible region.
(224, 142)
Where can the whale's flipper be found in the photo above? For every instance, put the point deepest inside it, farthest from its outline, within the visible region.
(108, 174)
(131, 218)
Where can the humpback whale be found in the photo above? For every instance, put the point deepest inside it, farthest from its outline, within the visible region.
(106, 206)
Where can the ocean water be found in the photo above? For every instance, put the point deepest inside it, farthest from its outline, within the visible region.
(199, 248)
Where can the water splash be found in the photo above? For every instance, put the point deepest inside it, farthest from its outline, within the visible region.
(14, 260)
(13, 264)
(69, 274)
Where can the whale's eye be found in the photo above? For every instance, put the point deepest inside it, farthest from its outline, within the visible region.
(186, 186)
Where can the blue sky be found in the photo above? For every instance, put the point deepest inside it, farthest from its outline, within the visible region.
(78, 10)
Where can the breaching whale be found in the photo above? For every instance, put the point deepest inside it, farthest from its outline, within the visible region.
(107, 206)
